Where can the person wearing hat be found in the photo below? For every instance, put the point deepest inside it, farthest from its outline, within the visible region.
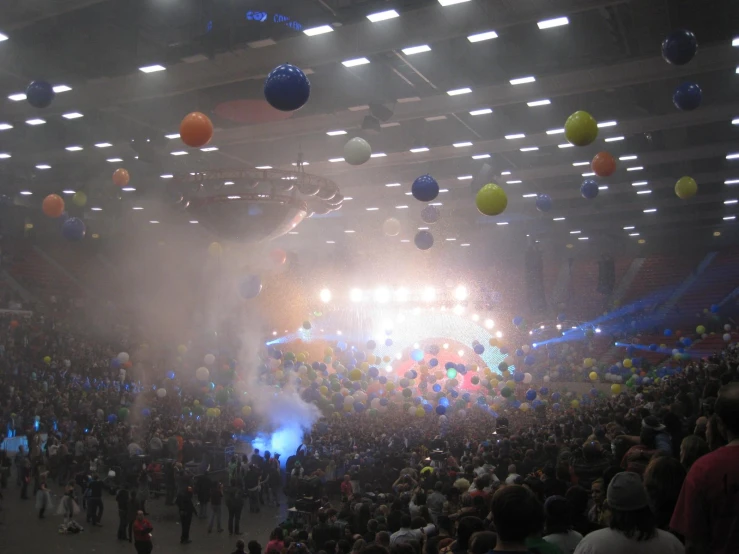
(652, 440)
(632, 527)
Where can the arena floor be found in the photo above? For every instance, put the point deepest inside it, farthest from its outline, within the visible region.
(22, 532)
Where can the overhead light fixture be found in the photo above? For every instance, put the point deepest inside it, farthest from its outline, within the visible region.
(555, 131)
(26, 192)
(582, 238)
(335, 160)
(355, 62)
(461, 144)
(4, 155)
(383, 16)
(588, 174)
(735, 42)
(128, 189)
(419, 149)
(391, 185)
(627, 158)
(530, 195)
(516, 136)
(3, 37)
(578, 164)
(295, 164)
(74, 148)
(103, 145)
(401, 207)
(35, 121)
(467, 177)
(729, 217)
(336, 133)
(209, 149)
(483, 111)
(17, 97)
(501, 223)
(349, 231)
(530, 149)
(458, 91)
(603, 187)
(443, 190)
(604, 124)
(153, 221)
(69, 191)
(480, 156)
(137, 208)
(615, 139)
(731, 182)
(179, 153)
(550, 23)
(646, 191)
(193, 221)
(5, 126)
(505, 172)
(114, 160)
(43, 166)
(516, 182)
(96, 209)
(320, 30)
(629, 228)
(558, 219)
(172, 136)
(446, 3)
(372, 209)
(650, 210)
(61, 88)
(263, 167)
(575, 232)
(536, 103)
(378, 155)
(639, 183)
(731, 201)
(479, 37)
(733, 156)
(72, 115)
(523, 80)
(735, 121)
(635, 168)
(565, 145)
(416, 49)
(234, 197)
(435, 204)
(152, 68)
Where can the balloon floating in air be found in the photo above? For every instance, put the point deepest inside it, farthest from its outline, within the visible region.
(53, 206)
(79, 199)
(679, 47)
(196, 129)
(491, 200)
(287, 88)
(357, 151)
(687, 96)
(391, 227)
(589, 189)
(278, 256)
(430, 214)
(686, 187)
(425, 188)
(543, 202)
(581, 129)
(424, 240)
(603, 164)
(74, 229)
(121, 177)
(40, 94)
(250, 286)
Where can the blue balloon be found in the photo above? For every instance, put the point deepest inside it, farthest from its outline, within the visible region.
(430, 214)
(40, 94)
(428, 408)
(544, 391)
(504, 350)
(441, 410)
(461, 368)
(516, 404)
(482, 400)
(250, 286)
(466, 397)
(277, 354)
(434, 349)
(316, 366)
(479, 349)
(170, 374)
(373, 372)
(371, 345)
(341, 345)
(555, 397)
(653, 347)
(423, 240)
(529, 360)
(519, 353)
(358, 406)
(589, 189)
(112, 418)
(433, 362)
(687, 341)
(593, 392)
(679, 47)
(146, 412)
(360, 357)
(443, 401)
(561, 317)
(425, 188)
(74, 229)
(518, 377)
(417, 354)
(518, 320)
(436, 387)
(556, 407)
(450, 365)
(668, 332)
(454, 393)
(115, 363)
(530, 395)
(543, 202)
(382, 379)
(286, 88)
(714, 308)
(323, 367)
(388, 342)
(687, 96)
(536, 403)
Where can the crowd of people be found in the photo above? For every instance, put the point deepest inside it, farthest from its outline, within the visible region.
(651, 469)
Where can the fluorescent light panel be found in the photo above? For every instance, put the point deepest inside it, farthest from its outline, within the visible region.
(320, 30)
(355, 62)
(461, 144)
(72, 115)
(446, 3)
(483, 111)
(515, 136)
(536, 103)
(479, 37)
(152, 68)
(523, 80)
(530, 149)
(419, 149)
(35, 121)
(604, 124)
(550, 23)
(336, 133)
(416, 49)
(458, 91)
(555, 131)
(383, 16)
(615, 139)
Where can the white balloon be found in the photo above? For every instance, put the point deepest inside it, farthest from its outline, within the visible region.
(412, 410)
(357, 151)
(391, 227)
(546, 378)
(442, 419)
(704, 336)
(727, 337)
(527, 378)
(349, 400)
(526, 348)
(462, 413)
(123, 357)
(209, 359)
(161, 393)
(202, 373)
(727, 327)
(375, 403)
(361, 396)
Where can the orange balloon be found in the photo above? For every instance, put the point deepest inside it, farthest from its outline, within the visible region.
(196, 129)
(121, 177)
(279, 256)
(53, 205)
(604, 165)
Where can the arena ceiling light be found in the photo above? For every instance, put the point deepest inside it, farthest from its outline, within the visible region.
(603, 187)
(729, 217)
(356, 295)
(446, 3)
(461, 144)
(325, 296)
(535, 103)
(193, 221)
(96, 209)
(263, 167)
(419, 149)
(732, 156)
(209, 149)
(378, 155)
(5, 126)
(411, 50)
(333, 160)
(391, 185)
(3, 37)
(428, 294)
(26, 192)
(731, 182)
(103, 145)
(607, 124)
(69, 191)
(555, 131)
(73, 148)
(628, 158)
(502, 223)
(152, 68)
(735, 121)
(4, 155)
(479, 37)
(551, 23)
(459, 91)
(588, 174)
(731, 201)
(530, 195)
(505, 172)
(579, 164)
(336, 133)
(172, 136)
(583, 238)
(35, 121)
(483, 111)
(128, 189)
(372, 209)
(17, 97)
(615, 139)
(401, 294)
(629, 228)
(166, 176)
(355, 62)
(735, 42)
(650, 210)
(43, 166)
(403, 207)
(646, 191)
(72, 115)
(523, 80)
(515, 136)
(137, 208)
(382, 295)
(480, 156)
(565, 145)
(530, 149)
(349, 231)
(635, 168)
(639, 183)
(320, 30)
(461, 293)
(468, 177)
(514, 182)
(558, 219)
(383, 16)
(114, 160)
(179, 153)
(61, 88)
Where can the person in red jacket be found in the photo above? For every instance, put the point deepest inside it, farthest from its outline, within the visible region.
(142, 534)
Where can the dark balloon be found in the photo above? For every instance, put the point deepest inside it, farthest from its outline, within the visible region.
(74, 229)
(589, 189)
(424, 240)
(679, 47)
(425, 188)
(250, 286)
(687, 97)
(40, 94)
(287, 88)
(543, 202)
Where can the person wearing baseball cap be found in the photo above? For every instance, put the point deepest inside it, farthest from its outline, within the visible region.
(632, 526)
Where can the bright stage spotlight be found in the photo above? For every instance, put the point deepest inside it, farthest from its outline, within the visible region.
(489, 324)
(460, 353)
(445, 346)
(398, 356)
(458, 310)
(338, 332)
(389, 369)
(325, 296)
(401, 318)
(382, 295)
(559, 327)
(388, 325)
(355, 295)
(475, 317)
(401, 295)
(416, 345)
(499, 335)
(461, 293)
(429, 294)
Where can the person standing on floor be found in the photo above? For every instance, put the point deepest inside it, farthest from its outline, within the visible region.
(122, 498)
(234, 504)
(43, 500)
(187, 509)
(25, 476)
(95, 500)
(203, 486)
(142, 529)
(216, 499)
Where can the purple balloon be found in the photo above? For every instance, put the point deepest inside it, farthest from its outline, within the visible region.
(74, 229)
(424, 240)
(430, 214)
(543, 202)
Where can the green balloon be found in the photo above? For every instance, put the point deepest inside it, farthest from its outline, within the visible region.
(506, 392)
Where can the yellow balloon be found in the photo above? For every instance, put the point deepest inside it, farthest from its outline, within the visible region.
(371, 359)
(524, 407)
(575, 403)
(627, 363)
(473, 368)
(420, 412)
(323, 389)
(364, 366)
(616, 388)
(328, 351)
(79, 198)
(348, 408)
(300, 357)
(581, 129)
(182, 349)
(494, 383)
(355, 374)
(196, 402)
(215, 249)
(386, 359)
(588, 362)
(491, 200)
(700, 329)
(279, 374)
(686, 187)
(47, 359)
(493, 341)
(510, 384)
(217, 412)
(593, 376)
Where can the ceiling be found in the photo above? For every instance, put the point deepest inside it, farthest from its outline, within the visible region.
(606, 60)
